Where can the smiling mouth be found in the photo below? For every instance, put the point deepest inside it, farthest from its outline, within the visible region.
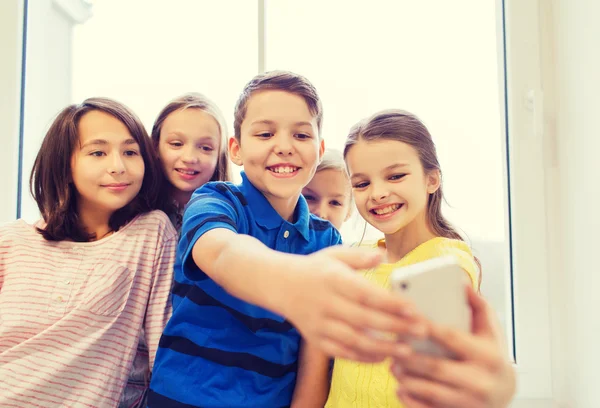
(116, 185)
(187, 172)
(283, 169)
(386, 210)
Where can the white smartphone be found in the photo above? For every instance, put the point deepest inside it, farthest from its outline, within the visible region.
(437, 289)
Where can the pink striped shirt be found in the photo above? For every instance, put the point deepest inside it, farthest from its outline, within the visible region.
(71, 313)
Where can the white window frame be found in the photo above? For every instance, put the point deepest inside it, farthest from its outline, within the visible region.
(528, 166)
(521, 31)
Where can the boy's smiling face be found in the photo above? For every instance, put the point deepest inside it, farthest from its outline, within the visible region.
(279, 147)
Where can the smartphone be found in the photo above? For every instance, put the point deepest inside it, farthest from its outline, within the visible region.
(437, 289)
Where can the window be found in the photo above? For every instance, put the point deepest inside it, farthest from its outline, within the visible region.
(442, 66)
(461, 66)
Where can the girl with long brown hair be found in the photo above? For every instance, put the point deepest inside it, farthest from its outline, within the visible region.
(82, 287)
(397, 187)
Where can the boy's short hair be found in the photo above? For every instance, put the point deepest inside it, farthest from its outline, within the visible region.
(278, 81)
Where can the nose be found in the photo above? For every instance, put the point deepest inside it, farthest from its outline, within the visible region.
(189, 155)
(117, 166)
(321, 211)
(379, 192)
(283, 145)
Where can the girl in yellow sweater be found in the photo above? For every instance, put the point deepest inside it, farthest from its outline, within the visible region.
(396, 181)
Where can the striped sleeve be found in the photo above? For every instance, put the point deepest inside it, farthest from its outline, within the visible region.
(159, 307)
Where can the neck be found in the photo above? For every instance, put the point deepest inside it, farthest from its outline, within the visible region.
(285, 207)
(181, 197)
(400, 243)
(95, 223)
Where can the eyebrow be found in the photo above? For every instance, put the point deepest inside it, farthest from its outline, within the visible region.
(333, 196)
(103, 142)
(181, 134)
(390, 167)
(270, 122)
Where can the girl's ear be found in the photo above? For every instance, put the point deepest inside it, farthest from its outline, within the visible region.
(434, 180)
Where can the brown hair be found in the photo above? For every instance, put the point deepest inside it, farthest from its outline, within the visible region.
(402, 126)
(278, 81)
(195, 100)
(50, 181)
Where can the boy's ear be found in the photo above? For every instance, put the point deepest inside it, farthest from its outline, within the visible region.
(321, 149)
(434, 180)
(234, 151)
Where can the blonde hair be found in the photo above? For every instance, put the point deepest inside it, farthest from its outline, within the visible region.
(195, 100)
(333, 160)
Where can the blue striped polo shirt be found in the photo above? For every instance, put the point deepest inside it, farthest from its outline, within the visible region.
(217, 350)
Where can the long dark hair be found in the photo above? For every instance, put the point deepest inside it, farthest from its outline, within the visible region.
(50, 181)
(402, 126)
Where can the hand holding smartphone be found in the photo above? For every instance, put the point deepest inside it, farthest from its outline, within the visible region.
(437, 289)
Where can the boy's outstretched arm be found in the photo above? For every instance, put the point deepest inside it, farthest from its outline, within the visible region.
(335, 309)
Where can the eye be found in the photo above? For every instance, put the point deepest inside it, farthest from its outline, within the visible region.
(302, 136)
(176, 143)
(207, 148)
(97, 153)
(309, 197)
(396, 177)
(335, 203)
(265, 135)
(131, 153)
(362, 184)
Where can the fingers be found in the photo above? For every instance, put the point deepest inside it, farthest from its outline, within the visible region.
(410, 402)
(437, 395)
(460, 375)
(359, 291)
(355, 258)
(467, 346)
(362, 345)
(364, 318)
(482, 314)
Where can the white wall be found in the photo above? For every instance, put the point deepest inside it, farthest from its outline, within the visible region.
(574, 219)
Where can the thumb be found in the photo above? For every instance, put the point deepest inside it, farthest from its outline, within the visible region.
(355, 258)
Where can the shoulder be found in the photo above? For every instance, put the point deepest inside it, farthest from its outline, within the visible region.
(324, 230)
(154, 222)
(216, 193)
(17, 230)
(460, 250)
(220, 188)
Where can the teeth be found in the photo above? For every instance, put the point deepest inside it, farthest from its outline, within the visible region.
(387, 210)
(190, 172)
(282, 169)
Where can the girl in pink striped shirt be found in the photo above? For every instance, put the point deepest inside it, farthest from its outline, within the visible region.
(79, 287)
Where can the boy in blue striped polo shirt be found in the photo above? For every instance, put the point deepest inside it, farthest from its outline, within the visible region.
(243, 290)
